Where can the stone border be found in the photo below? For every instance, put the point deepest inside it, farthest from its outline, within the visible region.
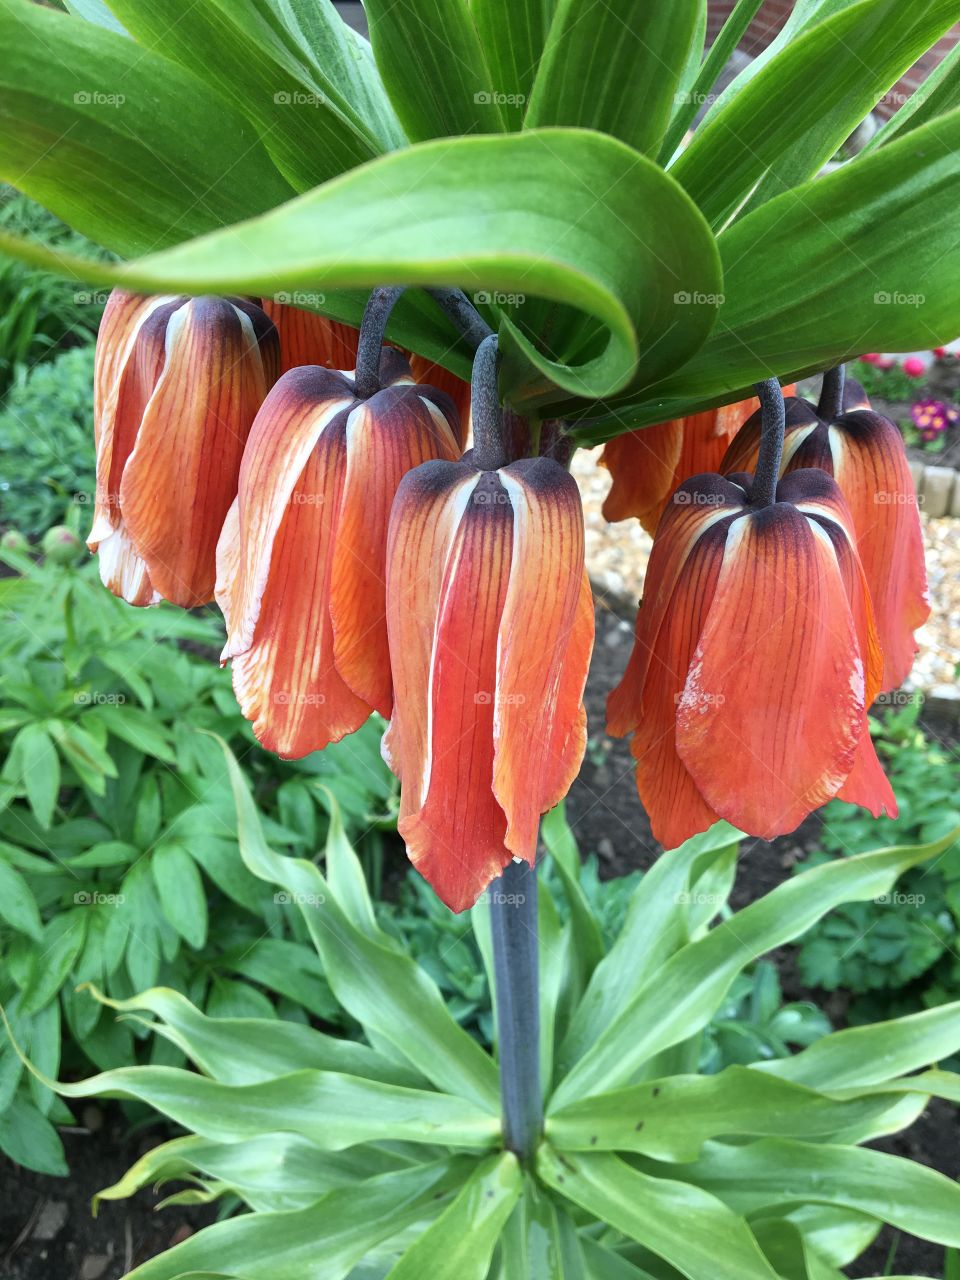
(938, 489)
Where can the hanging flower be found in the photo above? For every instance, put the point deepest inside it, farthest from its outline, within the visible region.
(647, 465)
(309, 338)
(300, 564)
(755, 660)
(177, 383)
(491, 629)
(864, 452)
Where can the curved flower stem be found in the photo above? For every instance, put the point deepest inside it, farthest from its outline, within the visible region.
(513, 919)
(830, 406)
(489, 450)
(463, 313)
(372, 329)
(773, 419)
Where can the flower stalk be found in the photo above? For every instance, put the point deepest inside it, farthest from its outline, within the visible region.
(489, 451)
(830, 406)
(513, 917)
(773, 418)
(373, 327)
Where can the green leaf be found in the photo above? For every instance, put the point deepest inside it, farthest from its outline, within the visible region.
(693, 98)
(939, 93)
(513, 37)
(480, 213)
(691, 1229)
(332, 1110)
(54, 957)
(233, 49)
(616, 71)
(345, 875)
(17, 903)
(681, 996)
(323, 1242)
(434, 67)
(459, 1245)
(539, 1241)
(37, 769)
(28, 1138)
(289, 968)
(95, 11)
(117, 142)
(825, 272)
(91, 763)
(902, 1192)
(801, 107)
(182, 896)
(250, 1050)
(671, 1119)
(382, 988)
(140, 729)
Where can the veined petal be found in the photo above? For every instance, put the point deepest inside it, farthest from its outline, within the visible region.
(119, 325)
(546, 638)
(435, 375)
(675, 806)
(770, 717)
(425, 517)
(698, 504)
(122, 571)
(742, 451)
(181, 477)
(642, 466)
(299, 408)
(308, 338)
(386, 436)
(286, 682)
(456, 837)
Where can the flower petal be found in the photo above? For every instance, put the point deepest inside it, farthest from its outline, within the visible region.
(546, 638)
(308, 338)
(770, 717)
(642, 465)
(181, 477)
(387, 436)
(286, 682)
(122, 571)
(435, 375)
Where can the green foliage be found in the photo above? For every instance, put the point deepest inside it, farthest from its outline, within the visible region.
(46, 440)
(40, 313)
(890, 384)
(392, 1164)
(118, 844)
(904, 942)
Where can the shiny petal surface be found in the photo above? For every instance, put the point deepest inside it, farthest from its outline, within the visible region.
(546, 638)
(308, 338)
(771, 712)
(181, 477)
(294, 415)
(286, 682)
(387, 436)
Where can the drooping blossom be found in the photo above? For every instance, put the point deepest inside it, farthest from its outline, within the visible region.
(177, 384)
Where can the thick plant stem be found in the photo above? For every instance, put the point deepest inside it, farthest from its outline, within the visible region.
(463, 313)
(489, 450)
(513, 918)
(773, 421)
(830, 406)
(372, 329)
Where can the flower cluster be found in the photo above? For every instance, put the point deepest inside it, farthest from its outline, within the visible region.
(933, 417)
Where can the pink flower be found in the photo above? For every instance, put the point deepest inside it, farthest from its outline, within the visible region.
(914, 367)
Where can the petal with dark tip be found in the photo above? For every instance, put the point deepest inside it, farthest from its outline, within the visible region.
(181, 477)
(435, 375)
(456, 838)
(769, 721)
(742, 451)
(387, 436)
(546, 638)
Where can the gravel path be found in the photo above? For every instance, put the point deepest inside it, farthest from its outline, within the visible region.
(617, 558)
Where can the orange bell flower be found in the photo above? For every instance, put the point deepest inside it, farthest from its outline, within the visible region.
(177, 383)
(491, 628)
(647, 465)
(756, 657)
(864, 452)
(300, 564)
(309, 338)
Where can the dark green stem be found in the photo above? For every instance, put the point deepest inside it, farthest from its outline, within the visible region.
(773, 420)
(830, 407)
(489, 450)
(372, 330)
(513, 918)
(468, 320)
